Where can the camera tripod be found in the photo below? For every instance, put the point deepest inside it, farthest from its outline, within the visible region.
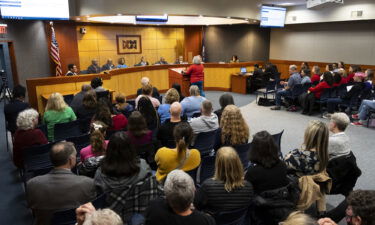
(4, 90)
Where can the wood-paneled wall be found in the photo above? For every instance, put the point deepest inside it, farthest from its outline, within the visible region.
(100, 42)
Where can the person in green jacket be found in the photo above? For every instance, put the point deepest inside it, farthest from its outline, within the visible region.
(57, 111)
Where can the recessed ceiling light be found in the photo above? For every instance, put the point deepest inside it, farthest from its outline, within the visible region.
(119, 14)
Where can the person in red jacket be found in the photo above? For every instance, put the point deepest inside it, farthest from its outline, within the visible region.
(315, 78)
(196, 73)
(352, 70)
(308, 99)
(26, 135)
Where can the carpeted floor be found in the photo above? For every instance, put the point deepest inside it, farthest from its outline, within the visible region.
(13, 208)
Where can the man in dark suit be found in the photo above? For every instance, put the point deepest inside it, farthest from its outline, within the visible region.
(109, 65)
(155, 91)
(59, 189)
(94, 67)
(14, 107)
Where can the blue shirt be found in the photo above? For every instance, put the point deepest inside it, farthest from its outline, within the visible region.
(121, 66)
(164, 113)
(191, 105)
(294, 79)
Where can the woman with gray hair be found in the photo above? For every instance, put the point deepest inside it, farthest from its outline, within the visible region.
(193, 103)
(26, 135)
(177, 208)
(196, 73)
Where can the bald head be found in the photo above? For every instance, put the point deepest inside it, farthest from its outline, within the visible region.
(145, 80)
(175, 111)
(86, 87)
(61, 153)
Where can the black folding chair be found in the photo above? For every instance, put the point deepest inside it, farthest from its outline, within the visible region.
(205, 142)
(243, 153)
(102, 94)
(66, 130)
(68, 98)
(206, 169)
(37, 161)
(232, 217)
(277, 138)
(269, 89)
(64, 217)
(80, 141)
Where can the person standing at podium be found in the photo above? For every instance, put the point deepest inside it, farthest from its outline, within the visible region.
(196, 73)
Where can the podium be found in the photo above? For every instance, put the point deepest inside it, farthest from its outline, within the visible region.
(175, 76)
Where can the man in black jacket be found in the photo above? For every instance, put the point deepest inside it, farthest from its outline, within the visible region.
(14, 107)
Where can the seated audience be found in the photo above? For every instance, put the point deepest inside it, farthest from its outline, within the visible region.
(107, 115)
(227, 190)
(295, 78)
(87, 215)
(142, 62)
(344, 76)
(312, 157)
(16, 105)
(109, 65)
(360, 211)
(338, 144)
(163, 110)
(148, 111)
(178, 88)
(147, 92)
(234, 59)
(98, 144)
(165, 132)
(122, 106)
(341, 65)
(120, 167)
(305, 66)
(369, 75)
(336, 79)
(78, 98)
(233, 128)
(96, 84)
(299, 218)
(207, 121)
(268, 175)
(27, 135)
(258, 80)
(335, 67)
(94, 67)
(352, 70)
(88, 107)
(180, 157)
(305, 74)
(315, 78)
(180, 60)
(192, 104)
(362, 115)
(354, 92)
(270, 72)
(57, 111)
(161, 61)
(308, 99)
(224, 100)
(329, 68)
(72, 70)
(138, 132)
(177, 206)
(144, 82)
(121, 63)
(59, 189)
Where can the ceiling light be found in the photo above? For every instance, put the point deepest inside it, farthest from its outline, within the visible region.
(200, 16)
(286, 4)
(228, 17)
(119, 14)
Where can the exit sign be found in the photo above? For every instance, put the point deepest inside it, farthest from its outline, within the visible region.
(3, 28)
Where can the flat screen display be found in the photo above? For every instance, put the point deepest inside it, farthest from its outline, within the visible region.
(272, 16)
(35, 9)
(152, 18)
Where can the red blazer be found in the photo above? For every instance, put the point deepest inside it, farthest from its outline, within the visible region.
(344, 80)
(24, 139)
(318, 89)
(196, 73)
(119, 122)
(315, 78)
(350, 77)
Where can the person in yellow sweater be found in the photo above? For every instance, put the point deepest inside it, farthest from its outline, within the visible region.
(180, 157)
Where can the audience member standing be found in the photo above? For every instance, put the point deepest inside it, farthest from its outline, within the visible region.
(196, 73)
(26, 135)
(57, 111)
(15, 106)
(165, 132)
(224, 100)
(170, 97)
(192, 104)
(94, 67)
(227, 190)
(176, 208)
(78, 98)
(180, 157)
(144, 82)
(59, 189)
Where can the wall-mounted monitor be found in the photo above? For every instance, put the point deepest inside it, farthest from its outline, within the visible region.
(152, 18)
(272, 16)
(35, 9)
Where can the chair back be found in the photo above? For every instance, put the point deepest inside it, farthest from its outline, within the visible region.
(277, 138)
(131, 102)
(232, 217)
(84, 124)
(196, 114)
(193, 174)
(271, 86)
(64, 217)
(243, 153)
(297, 90)
(68, 98)
(326, 94)
(102, 94)
(37, 161)
(66, 130)
(80, 141)
(205, 142)
(206, 169)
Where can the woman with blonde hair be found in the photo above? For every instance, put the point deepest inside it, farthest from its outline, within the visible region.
(227, 190)
(163, 110)
(312, 157)
(233, 128)
(299, 218)
(181, 157)
(57, 111)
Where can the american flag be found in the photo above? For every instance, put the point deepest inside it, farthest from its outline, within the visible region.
(55, 52)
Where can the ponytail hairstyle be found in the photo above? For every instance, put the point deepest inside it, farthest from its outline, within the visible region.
(97, 137)
(183, 134)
